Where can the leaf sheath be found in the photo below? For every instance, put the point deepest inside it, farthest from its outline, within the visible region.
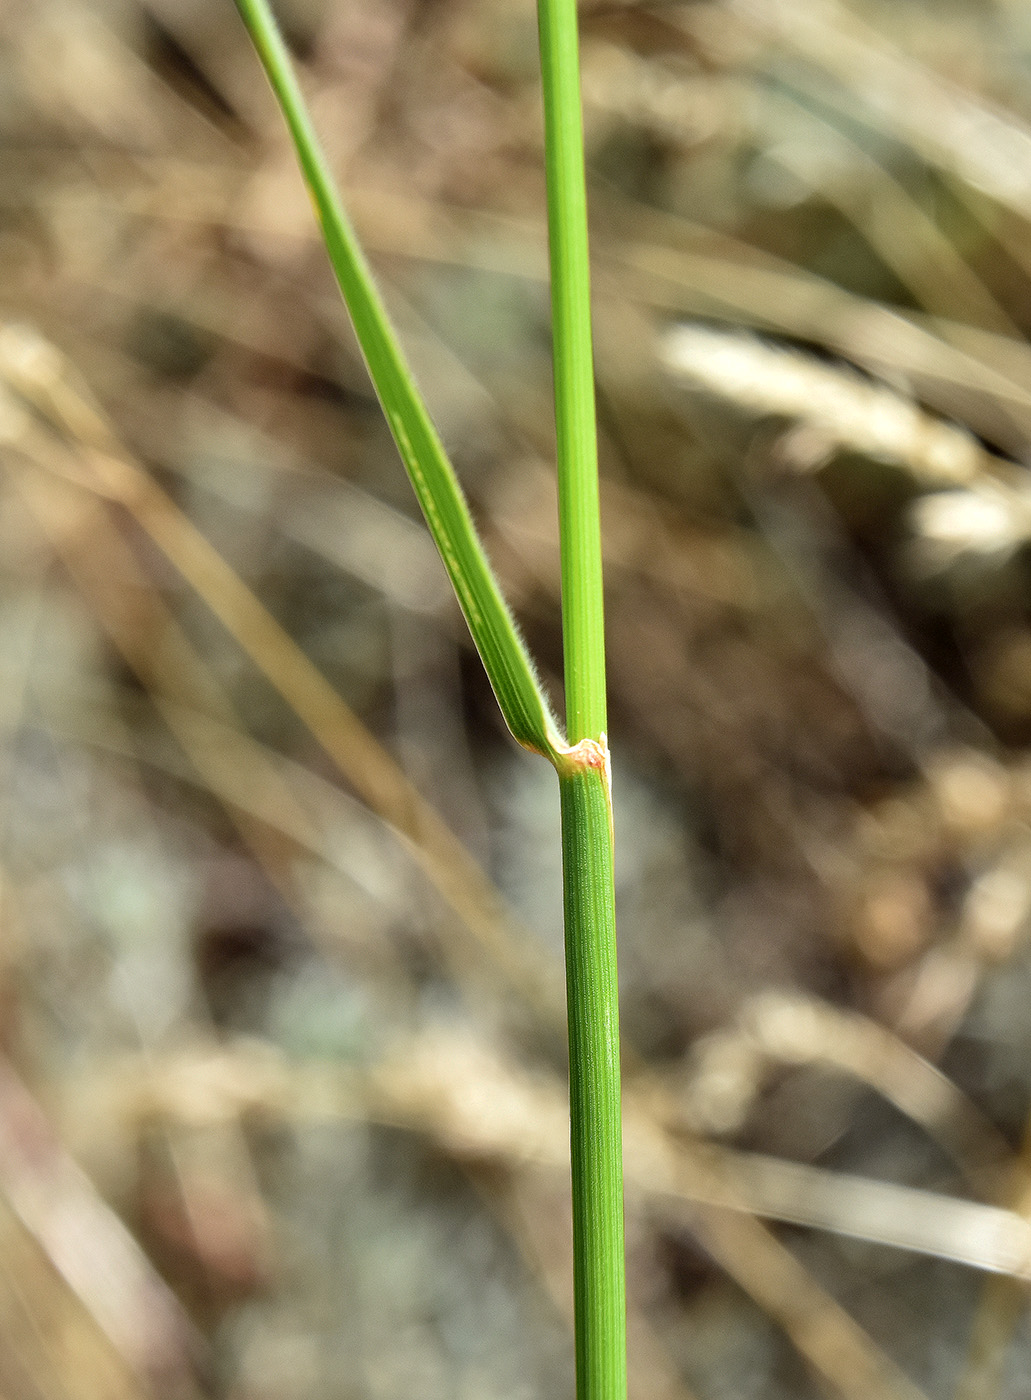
(594, 1084)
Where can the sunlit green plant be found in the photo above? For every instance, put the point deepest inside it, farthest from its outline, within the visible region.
(581, 758)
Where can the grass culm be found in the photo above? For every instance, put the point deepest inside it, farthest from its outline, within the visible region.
(581, 757)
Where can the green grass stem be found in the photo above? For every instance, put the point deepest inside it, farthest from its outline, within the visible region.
(599, 1271)
(583, 633)
(599, 1289)
(582, 764)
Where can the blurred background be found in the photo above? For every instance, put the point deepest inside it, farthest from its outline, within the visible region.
(282, 1104)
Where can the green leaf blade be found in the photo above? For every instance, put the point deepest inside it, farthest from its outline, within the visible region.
(436, 486)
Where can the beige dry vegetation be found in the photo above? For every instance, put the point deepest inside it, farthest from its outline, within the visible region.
(281, 1086)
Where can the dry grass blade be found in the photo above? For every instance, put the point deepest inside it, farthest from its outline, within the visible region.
(905, 237)
(89, 1246)
(875, 336)
(824, 1332)
(484, 1111)
(833, 407)
(78, 525)
(727, 1068)
(947, 122)
(99, 465)
(1001, 1306)
(185, 693)
(983, 1237)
